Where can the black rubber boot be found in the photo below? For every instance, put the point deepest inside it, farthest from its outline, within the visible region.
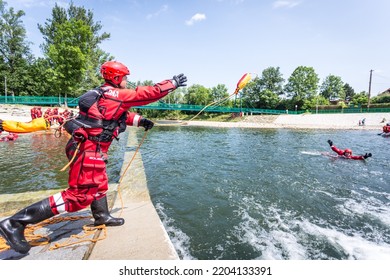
(102, 216)
(12, 229)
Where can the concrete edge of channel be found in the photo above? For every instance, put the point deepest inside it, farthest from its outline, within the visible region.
(143, 236)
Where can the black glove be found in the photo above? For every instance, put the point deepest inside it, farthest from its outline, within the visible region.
(147, 124)
(330, 142)
(367, 155)
(179, 80)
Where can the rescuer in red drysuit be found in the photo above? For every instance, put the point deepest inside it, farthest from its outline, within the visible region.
(33, 112)
(39, 112)
(103, 115)
(10, 137)
(347, 153)
(386, 130)
(36, 112)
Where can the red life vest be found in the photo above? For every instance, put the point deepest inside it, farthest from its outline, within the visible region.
(90, 116)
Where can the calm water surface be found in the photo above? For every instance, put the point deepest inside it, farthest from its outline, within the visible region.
(33, 162)
(243, 193)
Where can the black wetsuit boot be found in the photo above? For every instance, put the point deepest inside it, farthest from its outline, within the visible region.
(12, 229)
(102, 216)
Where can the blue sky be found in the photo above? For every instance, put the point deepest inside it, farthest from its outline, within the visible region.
(216, 41)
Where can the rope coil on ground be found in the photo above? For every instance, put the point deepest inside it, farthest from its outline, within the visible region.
(40, 240)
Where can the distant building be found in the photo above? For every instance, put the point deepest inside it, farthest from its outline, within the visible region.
(334, 100)
(387, 91)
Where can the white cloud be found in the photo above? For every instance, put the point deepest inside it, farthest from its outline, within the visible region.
(285, 4)
(195, 18)
(163, 9)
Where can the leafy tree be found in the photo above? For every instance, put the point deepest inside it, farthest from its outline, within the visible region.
(349, 91)
(264, 91)
(257, 95)
(360, 98)
(272, 80)
(250, 95)
(96, 55)
(197, 95)
(314, 101)
(41, 78)
(268, 99)
(92, 76)
(381, 98)
(15, 56)
(68, 60)
(71, 44)
(220, 92)
(332, 88)
(302, 84)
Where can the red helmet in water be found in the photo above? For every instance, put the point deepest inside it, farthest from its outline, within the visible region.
(113, 72)
(349, 151)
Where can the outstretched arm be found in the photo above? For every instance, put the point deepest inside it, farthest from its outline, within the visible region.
(335, 149)
(143, 95)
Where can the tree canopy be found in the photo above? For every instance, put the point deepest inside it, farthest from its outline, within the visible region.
(333, 88)
(14, 50)
(303, 83)
(71, 46)
(72, 57)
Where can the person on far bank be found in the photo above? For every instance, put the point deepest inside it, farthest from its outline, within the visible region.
(103, 115)
(347, 153)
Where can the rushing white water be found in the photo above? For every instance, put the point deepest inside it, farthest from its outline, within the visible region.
(243, 193)
(270, 194)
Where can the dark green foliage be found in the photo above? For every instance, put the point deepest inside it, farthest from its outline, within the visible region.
(15, 56)
(72, 57)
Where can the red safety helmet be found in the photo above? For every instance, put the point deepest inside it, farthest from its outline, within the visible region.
(348, 151)
(114, 71)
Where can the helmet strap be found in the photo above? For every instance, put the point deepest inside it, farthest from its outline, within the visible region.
(111, 83)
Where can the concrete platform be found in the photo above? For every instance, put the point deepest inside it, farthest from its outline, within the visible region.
(142, 237)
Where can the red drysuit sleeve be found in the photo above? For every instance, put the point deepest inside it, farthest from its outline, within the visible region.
(143, 95)
(133, 119)
(338, 151)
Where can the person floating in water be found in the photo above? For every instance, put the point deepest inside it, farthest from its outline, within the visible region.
(347, 153)
(385, 130)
